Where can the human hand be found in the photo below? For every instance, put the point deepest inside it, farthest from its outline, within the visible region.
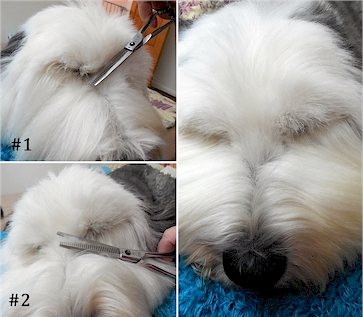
(145, 10)
(168, 241)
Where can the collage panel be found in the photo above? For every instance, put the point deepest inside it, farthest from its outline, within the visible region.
(83, 80)
(270, 158)
(86, 239)
(87, 81)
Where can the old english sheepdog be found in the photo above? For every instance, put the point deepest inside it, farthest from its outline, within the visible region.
(48, 99)
(129, 209)
(270, 186)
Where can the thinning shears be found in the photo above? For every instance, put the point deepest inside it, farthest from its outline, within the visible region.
(132, 46)
(128, 255)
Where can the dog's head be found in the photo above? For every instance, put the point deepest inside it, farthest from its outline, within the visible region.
(49, 72)
(269, 151)
(83, 203)
(80, 38)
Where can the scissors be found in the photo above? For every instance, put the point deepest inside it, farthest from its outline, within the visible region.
(132, 46)
(128, 255)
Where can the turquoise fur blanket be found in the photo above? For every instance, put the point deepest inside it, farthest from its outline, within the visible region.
(342, 298)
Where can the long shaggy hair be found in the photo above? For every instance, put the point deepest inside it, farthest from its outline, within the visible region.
(47, 96)
(85, 203)
(270, 186)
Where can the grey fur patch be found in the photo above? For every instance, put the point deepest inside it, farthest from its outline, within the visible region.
(344, 18)
(14, 45)
(155, 189)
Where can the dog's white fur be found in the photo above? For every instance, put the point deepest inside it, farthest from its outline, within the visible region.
(270, 144)
(61, 282)
(47, 97)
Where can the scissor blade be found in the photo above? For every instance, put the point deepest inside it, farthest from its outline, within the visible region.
(111, 251)
(115, 62)
(78, 239)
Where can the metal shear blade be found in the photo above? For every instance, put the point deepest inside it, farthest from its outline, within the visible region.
(128, 255)
(132, 46)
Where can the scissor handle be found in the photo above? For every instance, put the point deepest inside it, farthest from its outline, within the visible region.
(147, 24)
(164, 9)
(148, 37)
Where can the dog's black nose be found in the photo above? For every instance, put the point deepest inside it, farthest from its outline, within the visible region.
(253, 270)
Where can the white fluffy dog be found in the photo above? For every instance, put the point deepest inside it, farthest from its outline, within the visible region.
(64, 283)
(47, 96)
(270, 191)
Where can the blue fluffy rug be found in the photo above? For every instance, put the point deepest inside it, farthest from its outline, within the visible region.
(343, 298)
(7, 153)
(168, 308)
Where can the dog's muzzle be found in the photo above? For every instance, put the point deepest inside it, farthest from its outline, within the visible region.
(253, 270)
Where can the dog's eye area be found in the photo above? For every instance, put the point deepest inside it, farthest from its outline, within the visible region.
(80, 70)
